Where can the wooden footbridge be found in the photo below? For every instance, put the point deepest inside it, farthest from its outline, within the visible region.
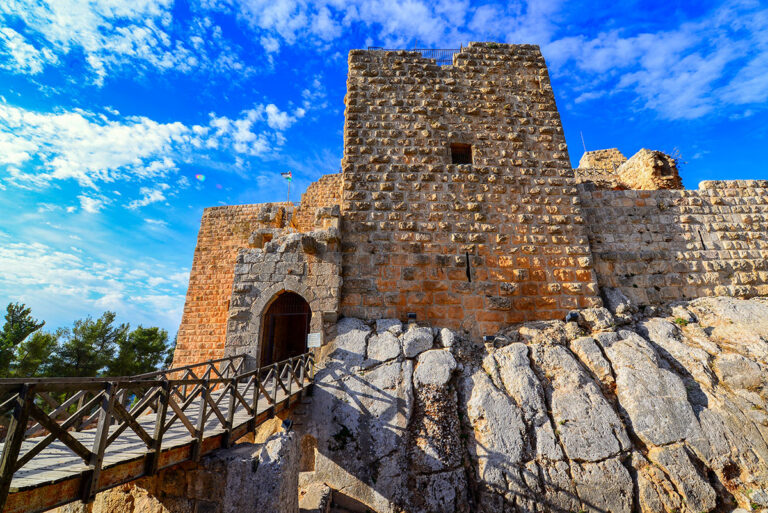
(67, 439)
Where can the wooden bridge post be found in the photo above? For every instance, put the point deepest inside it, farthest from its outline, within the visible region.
(91, 477)
(227, 437)
(276, 377)
(153, 457)
(15, 436)
(302, 373)
(256, 395)
(197, 448)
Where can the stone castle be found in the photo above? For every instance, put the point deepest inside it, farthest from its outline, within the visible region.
(457, 206)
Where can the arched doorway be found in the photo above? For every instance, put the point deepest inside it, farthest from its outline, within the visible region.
(285, 328)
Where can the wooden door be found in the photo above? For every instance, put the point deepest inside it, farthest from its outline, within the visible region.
(286, 326)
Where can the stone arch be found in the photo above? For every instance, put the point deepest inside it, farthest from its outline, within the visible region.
(262, 303)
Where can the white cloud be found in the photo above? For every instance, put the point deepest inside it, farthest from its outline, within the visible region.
(150, 195)
(698, 68)
(36, 272)
(114, 35)
(156, 222)
(37, 148)
(90, 204)
(280, 120)
(86, 147)
(20, 56)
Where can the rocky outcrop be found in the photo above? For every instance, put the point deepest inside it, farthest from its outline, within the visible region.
(616, 410)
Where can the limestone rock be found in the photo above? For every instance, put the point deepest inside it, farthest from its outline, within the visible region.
(596, 319)
(416, 340)
(393, 326)
(654, 398)
(603, 486)
(589, 428)
(521, 383)
(434, 367)
(617, 303)
(447, 337)
(544, 419)
(347, 349)
(737, 371)
(315, 498)
(590, 355)
(497, 423)
(382, 347)
(677, 464)
(682, 314)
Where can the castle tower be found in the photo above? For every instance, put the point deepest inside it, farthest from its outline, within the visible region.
(457, 200)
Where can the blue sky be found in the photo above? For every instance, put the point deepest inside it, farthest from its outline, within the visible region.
(120, 120)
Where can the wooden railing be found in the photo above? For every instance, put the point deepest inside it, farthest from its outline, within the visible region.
(87, 416)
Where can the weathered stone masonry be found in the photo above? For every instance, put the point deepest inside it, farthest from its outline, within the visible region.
(511, 236)
(411, 217)
(659, 246)
(223, 232)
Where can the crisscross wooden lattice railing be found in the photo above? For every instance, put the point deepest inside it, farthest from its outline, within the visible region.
(84, 435)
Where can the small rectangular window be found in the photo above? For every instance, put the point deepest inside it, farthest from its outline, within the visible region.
(461, 153)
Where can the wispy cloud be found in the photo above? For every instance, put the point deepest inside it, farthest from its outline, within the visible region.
(696, 69)
(20, 56)
(90, 204)
(134, 290)
(150, 195)
(38, 148)
(114, 36)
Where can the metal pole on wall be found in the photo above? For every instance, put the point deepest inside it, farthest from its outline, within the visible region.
(288, 176)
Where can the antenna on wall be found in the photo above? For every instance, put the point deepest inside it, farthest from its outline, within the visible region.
(582, 141)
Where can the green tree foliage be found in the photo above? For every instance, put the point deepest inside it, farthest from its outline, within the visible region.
(92, 347)
(89, 347)
(33, 356)
(19, 325)
(143, 350)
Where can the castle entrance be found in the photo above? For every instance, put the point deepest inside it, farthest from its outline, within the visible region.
(285, 328)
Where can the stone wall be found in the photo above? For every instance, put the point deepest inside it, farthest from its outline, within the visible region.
(308, 264)
(665, 245)
(223, 232)
(646, 170)
(246, 478)
(607, 161)
(650, 170)
(325, 192)
(411, 217)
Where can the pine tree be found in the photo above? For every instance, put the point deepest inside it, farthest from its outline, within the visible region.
(89, 347)
(19, 325)
(143, 350)
(33, 356)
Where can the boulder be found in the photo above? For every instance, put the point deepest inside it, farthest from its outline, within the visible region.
(434, 367)
(596, 319)
(382, 347)
(393, 326)
(417, 340)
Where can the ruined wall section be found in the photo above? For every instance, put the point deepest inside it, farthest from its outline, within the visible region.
(325, 192)
(411, 217)
(223, 231)
(667, 245)
(607, 161)
(650, 170)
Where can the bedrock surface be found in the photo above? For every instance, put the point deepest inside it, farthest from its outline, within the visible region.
(655, 411)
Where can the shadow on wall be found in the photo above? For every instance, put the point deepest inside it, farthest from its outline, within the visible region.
(664, 246)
